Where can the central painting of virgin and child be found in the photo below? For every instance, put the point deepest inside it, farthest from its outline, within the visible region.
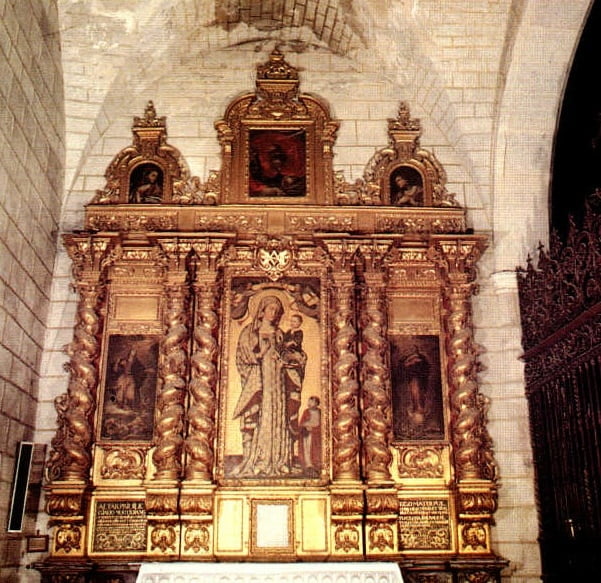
(273, 417)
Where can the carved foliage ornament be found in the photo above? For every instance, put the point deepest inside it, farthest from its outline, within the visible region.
(64, 504)
(196, 537)
(123, 463)
(421, 462)
(566, 280)
(163, 536)
(426, 537)
(347, 537)
(347, 503)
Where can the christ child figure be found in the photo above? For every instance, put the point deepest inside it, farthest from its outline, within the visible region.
(293, 339)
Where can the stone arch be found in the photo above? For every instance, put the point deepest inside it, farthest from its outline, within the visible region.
(527, 118)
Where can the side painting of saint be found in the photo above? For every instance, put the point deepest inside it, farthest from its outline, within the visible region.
(406, 187)
(278, 422)
(130, 387)
(146, 185)
(277, 163)
(416, 388)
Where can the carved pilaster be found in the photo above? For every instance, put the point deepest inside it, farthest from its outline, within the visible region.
(472, 444)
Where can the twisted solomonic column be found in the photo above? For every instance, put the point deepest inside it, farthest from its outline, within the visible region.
(377, 415)
(345, 427)
(471, 442)
(201, 411)
(70, 458)
(170, 401)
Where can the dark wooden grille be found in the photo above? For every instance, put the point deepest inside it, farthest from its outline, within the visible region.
(560, 303)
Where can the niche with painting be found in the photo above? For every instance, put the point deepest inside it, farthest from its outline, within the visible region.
(129, 387)
(417, 400)
(406, 187)
(273, 420)
(146, 184)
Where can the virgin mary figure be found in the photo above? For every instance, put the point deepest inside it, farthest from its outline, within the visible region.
(262, 406)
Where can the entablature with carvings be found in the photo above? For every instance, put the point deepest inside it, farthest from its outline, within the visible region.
(277, 174)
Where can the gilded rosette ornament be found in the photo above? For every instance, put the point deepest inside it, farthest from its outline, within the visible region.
(197, 537)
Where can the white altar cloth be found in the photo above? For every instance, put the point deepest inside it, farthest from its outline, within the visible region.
(183, 572)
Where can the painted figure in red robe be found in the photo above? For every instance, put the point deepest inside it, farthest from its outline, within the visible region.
(310, 438)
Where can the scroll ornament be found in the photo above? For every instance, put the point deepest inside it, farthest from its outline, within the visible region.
(193, 191)
(196, 537)
(163, 537)
(68, 538)
(346, 537)
(381, 536)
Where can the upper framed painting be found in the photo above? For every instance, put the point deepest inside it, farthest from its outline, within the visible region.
(276, 143)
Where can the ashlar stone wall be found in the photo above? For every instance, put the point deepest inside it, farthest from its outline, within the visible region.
(32, 154)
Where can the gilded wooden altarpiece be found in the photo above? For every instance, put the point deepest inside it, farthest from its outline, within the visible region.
(274, 364)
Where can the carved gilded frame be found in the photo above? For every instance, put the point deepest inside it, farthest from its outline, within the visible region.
(278, 107)
(264, 278)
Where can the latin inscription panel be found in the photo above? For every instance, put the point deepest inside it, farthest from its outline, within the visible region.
(119, 527)
(425, 524)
